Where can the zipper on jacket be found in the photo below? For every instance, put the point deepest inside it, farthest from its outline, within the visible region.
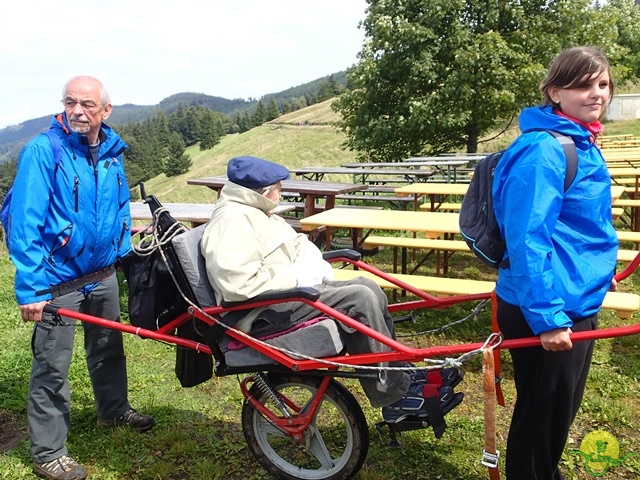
(76, 185)
(119, 178)
(125, 228)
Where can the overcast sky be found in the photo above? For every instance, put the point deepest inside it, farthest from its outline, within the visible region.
(147, 50)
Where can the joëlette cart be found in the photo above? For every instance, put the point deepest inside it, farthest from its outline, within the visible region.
(299, 421)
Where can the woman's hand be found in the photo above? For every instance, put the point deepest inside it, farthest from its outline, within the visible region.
(557, 340)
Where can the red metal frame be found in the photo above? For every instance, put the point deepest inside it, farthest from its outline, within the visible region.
(295, 425)
(398, 351)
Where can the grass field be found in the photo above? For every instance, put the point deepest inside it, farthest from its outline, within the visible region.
(198, 433)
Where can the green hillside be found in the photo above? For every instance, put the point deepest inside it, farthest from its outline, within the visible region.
(281, 141)
(284, 141)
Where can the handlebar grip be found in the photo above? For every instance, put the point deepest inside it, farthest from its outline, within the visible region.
(48, 308)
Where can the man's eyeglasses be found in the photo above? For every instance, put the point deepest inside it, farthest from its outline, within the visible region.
(87, 105)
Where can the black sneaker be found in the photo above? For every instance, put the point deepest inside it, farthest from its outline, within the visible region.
(446, 377)
(62, 468)
(130, 418)
(414, 404)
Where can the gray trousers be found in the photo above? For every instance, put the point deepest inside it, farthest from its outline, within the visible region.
(362, 300)
(48, 405)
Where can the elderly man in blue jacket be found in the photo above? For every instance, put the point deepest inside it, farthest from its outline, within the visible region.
(68, 217)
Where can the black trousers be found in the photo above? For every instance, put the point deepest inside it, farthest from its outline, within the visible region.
(549, 387)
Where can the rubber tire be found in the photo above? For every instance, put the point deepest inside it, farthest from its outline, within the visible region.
(340, 421)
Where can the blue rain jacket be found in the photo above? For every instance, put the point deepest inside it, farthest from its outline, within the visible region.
(562, 246)
(68, 220)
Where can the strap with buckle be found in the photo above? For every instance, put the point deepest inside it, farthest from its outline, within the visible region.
(490, 454)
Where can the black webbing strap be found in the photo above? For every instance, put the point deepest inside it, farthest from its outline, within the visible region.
(434, 412)
(73, 285)
(216, 331)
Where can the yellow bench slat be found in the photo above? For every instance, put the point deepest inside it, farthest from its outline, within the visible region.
(442, 206)
(627, 255)
(408, 242)
(622, 302)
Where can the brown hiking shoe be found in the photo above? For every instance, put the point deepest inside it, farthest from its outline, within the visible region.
(62, 468)
(130, 418)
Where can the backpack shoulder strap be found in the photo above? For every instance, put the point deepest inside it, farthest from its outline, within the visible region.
(56, 146)
(571, 153)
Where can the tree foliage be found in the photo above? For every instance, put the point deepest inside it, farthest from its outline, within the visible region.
(437, 75)
(7, 174)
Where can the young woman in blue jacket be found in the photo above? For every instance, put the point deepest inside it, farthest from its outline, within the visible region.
(562, 248)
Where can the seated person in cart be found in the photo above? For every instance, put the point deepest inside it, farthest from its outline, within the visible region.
(248, 250)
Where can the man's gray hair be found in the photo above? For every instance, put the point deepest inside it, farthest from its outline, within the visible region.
(104, 95)
(264, 190)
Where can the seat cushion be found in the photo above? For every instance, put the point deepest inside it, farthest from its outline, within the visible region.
(319, 339)
(187, 249)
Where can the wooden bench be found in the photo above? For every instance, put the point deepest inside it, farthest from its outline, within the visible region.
(294, 222)
(396, 201)
(626, 202)
(625, 304)
(434, 244)
(444, 206)
(298, 207)
(617, 212)
(627, 256)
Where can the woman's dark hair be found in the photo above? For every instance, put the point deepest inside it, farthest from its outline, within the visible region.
(572, 68)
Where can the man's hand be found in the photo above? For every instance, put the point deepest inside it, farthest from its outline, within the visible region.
(556, 340)
(32, 312)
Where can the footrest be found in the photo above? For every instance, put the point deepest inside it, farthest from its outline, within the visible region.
(415, 423)
(405, 318)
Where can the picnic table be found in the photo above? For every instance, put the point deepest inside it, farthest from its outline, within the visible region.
(359, 220)
(363, 222)
(309, 190)
(436, 192)
(365, 175)
(193, 213)
(447, 165)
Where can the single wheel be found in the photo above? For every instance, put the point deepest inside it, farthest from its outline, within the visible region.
(334, 446)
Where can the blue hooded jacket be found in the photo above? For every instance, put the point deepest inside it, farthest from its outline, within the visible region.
(562, 246)
(70, 219)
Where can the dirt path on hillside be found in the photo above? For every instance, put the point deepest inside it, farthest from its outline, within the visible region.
(11, 432)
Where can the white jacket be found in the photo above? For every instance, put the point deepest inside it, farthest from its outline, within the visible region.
(248, 252)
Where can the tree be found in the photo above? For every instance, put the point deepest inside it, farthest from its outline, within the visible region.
(436, 76)
(177, 162)
(245, 122)
(212, 129)
(273, 111)
(627, 20)
(8, 172)
(260, 114)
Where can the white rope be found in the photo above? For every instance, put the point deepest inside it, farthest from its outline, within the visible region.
(178, 228)
(475, 313)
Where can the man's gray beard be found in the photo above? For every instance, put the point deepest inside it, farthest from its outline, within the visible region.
(80, 130)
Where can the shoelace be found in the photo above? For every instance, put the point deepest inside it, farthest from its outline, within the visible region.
(64, 463)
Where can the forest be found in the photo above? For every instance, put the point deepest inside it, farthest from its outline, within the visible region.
(157, 143)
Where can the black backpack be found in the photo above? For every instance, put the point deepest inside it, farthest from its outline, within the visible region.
(478, 224)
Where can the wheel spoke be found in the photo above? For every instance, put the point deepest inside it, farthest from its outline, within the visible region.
(265, 426)
(316, 445)
(334, 445)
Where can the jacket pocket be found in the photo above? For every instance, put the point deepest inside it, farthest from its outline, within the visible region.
(66, 246)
